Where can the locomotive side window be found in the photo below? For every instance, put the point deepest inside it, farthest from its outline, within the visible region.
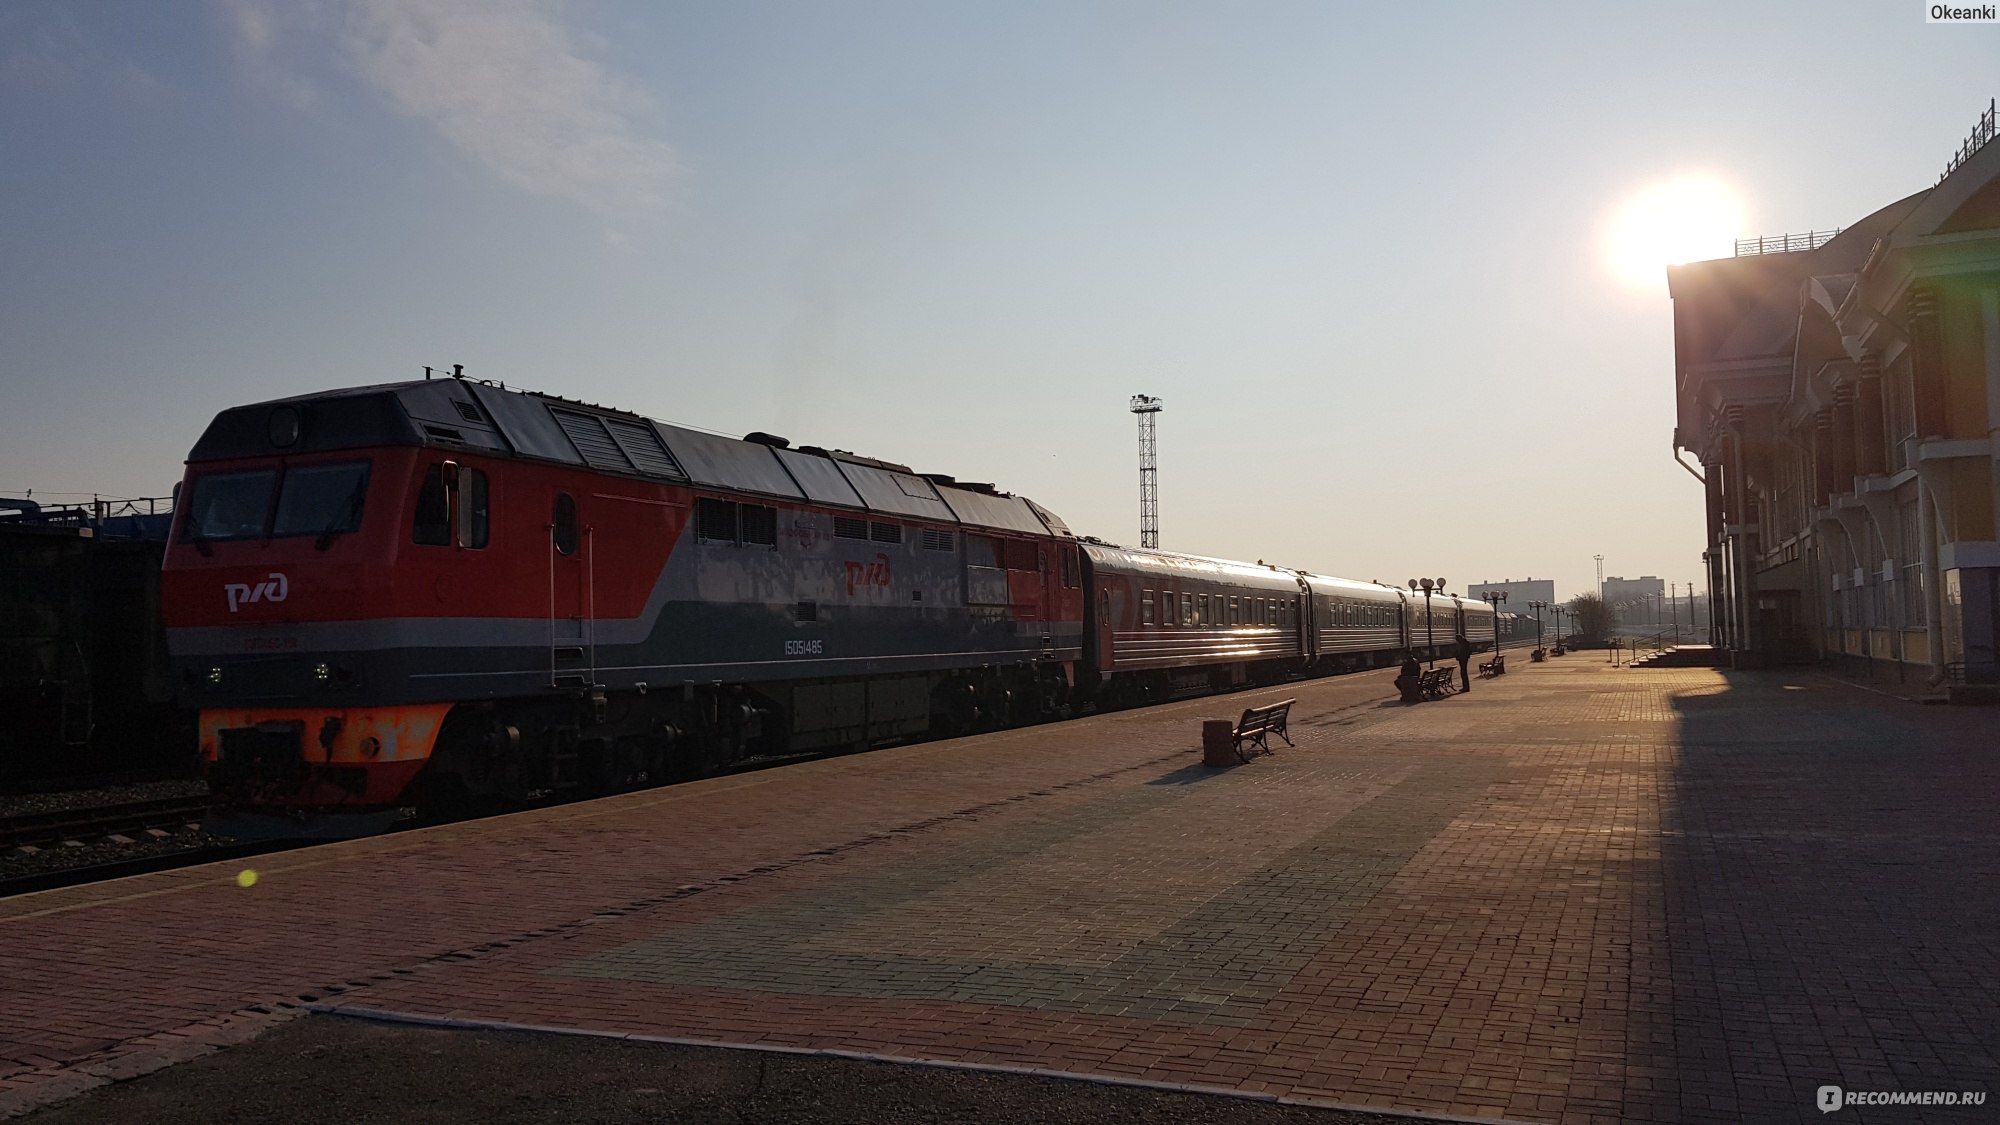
(229, 505)
(431, 525)
(726, 521)
(760, 524)
(565, 524)
(1072, 577)
(715, 520)
(473, 517)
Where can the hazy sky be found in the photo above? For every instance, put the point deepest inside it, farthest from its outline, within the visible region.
(1359, 249)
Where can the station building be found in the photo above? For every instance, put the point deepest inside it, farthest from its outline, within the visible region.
(1838, 397)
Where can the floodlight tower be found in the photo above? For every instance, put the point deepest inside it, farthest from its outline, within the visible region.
(1146, 406)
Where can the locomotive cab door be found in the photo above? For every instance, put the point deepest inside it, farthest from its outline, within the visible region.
(572, 648)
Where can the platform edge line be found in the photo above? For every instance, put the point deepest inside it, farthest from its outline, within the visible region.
(383, 1015)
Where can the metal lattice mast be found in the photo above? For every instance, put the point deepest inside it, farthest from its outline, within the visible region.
(1146, 406)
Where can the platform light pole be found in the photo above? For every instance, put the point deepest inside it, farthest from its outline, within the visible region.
(1496, 599)
(1538, 607)
(1148, 407)
(1430, 636)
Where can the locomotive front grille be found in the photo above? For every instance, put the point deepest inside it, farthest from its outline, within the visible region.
(268, 753)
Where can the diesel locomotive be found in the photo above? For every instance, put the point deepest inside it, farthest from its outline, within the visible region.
(450, 593)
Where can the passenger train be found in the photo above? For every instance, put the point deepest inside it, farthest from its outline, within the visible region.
(450, 593)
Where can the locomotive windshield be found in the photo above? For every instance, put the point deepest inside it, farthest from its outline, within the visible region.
(230, 505)
(323, 500)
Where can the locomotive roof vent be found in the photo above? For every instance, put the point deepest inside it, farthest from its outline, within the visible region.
(871, 462)
(762, 438)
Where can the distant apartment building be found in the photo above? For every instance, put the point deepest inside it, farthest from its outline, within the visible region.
(1617, 590)
(1519, 594)
(1838, 397)
(1635, 600)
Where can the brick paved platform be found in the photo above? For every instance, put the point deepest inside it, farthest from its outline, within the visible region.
(1578, 893)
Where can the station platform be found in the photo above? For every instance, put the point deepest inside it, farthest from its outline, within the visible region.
(1580, 892)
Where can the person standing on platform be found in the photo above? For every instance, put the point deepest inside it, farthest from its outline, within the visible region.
(1463, 651)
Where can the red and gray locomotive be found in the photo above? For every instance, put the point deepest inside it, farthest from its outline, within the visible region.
(447, 592)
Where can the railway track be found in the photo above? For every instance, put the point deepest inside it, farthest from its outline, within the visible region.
(134, 818)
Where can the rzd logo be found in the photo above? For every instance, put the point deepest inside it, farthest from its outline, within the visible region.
(272, 589)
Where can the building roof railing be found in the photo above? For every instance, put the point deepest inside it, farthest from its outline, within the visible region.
(1981, 133)
(1784, 243)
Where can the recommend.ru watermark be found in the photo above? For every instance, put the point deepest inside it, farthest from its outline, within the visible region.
(1833, 1097)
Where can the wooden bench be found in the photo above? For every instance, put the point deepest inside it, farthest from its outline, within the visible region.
(1494, 667)
(1436, 683)
(1258, 724)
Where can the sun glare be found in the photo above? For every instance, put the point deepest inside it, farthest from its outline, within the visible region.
(1686, 219)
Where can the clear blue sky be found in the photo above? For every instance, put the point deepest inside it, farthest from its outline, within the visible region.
(1357, 248)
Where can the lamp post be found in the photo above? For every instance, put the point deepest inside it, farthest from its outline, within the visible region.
(1559, 611)
(1496, 599)
(1430, 640)
(1538, 607)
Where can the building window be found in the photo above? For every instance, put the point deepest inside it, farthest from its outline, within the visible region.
(1915, 610)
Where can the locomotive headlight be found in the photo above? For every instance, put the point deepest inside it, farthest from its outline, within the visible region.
(215, 677)
(322, 673)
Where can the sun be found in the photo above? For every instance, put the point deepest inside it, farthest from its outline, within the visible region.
(1686, 219)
